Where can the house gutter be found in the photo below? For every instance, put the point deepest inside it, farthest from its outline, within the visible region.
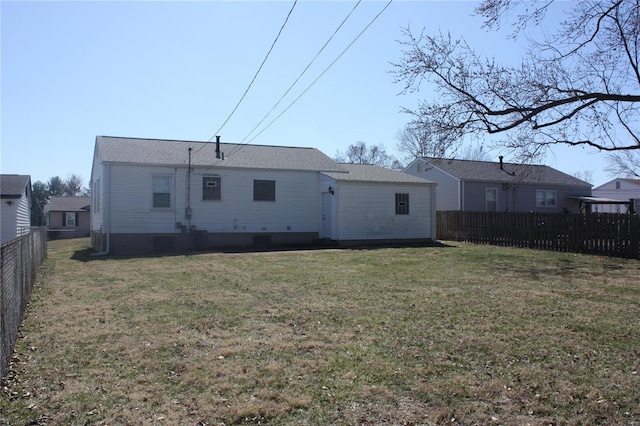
(106, 216)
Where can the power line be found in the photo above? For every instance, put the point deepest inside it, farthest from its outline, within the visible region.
(237, 148)
(257, 72)
(323, 72)
(303, 71)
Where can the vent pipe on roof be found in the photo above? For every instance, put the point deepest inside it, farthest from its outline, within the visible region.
(501, 165)
(217, 146)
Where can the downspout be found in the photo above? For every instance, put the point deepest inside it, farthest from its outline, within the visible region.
(106, 215)
(187, 211)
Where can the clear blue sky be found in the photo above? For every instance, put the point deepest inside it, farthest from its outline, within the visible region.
(175, 70)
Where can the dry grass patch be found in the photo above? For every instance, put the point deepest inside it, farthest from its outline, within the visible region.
(455, 335)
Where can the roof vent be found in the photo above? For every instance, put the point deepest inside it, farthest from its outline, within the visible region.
(217, 146)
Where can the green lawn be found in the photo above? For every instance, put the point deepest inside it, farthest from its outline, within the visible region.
(462, 334)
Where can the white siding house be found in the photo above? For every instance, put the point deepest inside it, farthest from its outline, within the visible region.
(621, 189)
(373, 203)
(152, 195)
(15, 208)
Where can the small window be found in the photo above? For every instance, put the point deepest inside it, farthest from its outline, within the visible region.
(264, 190)
(545, 198)
(617, 184)
(491, 199)
(70, 219)
(211, 188)
(402, 203)
(161, 191)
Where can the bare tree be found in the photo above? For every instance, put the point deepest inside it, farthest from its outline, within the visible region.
(73, 185)
(473, 152)
(624, 164)
(585, 175)
(418, 139)
(579, 87)
(360, 153)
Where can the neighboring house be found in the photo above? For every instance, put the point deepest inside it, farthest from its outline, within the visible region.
(153, 195)
(15, 209)
(497, 186)
(620, 192)
(68, 217)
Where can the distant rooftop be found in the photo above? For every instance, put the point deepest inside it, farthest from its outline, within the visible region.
(509, 172)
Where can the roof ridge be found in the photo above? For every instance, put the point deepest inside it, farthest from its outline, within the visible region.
(203, 142)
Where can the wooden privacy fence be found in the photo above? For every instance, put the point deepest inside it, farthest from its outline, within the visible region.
(615, 235)
(19, 262)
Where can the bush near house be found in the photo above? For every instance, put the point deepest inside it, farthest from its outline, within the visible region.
(460, 334)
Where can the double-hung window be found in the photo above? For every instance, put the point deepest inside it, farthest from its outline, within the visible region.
(70, 219)
(211, 188)
(402, 203)
(264, 190)
(545, 198)
(162, 191)
(491, 199)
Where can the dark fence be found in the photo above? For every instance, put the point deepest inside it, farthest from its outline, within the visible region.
(616, 235)
(19, 262)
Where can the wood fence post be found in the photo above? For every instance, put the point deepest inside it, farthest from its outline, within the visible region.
(531, 229)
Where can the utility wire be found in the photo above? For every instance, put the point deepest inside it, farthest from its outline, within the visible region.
(257, 72)
(323, 72)
(303, 72)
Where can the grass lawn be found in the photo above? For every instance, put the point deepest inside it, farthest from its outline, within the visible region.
(458, 335)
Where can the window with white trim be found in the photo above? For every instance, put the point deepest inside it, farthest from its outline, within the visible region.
(545, 198)
(70, 219)
(402, 203)
(491, 199)
(162, 191)
(211, 189)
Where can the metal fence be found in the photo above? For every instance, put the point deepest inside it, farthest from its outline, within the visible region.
(616, 235)
(19, 262)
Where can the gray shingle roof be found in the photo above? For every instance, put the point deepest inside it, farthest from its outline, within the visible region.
(510, 172)
(12, 186)
(175, 153)
(371, 173)
(68, 204)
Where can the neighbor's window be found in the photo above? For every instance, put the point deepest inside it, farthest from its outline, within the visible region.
(211, 188)
(402, 203)
(264, 190)
(545, 198)
(491, 199)
(70, 219)
(161, 191)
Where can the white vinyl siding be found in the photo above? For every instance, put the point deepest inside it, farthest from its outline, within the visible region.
(448, 190)
(131, 211)
(361, 213)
